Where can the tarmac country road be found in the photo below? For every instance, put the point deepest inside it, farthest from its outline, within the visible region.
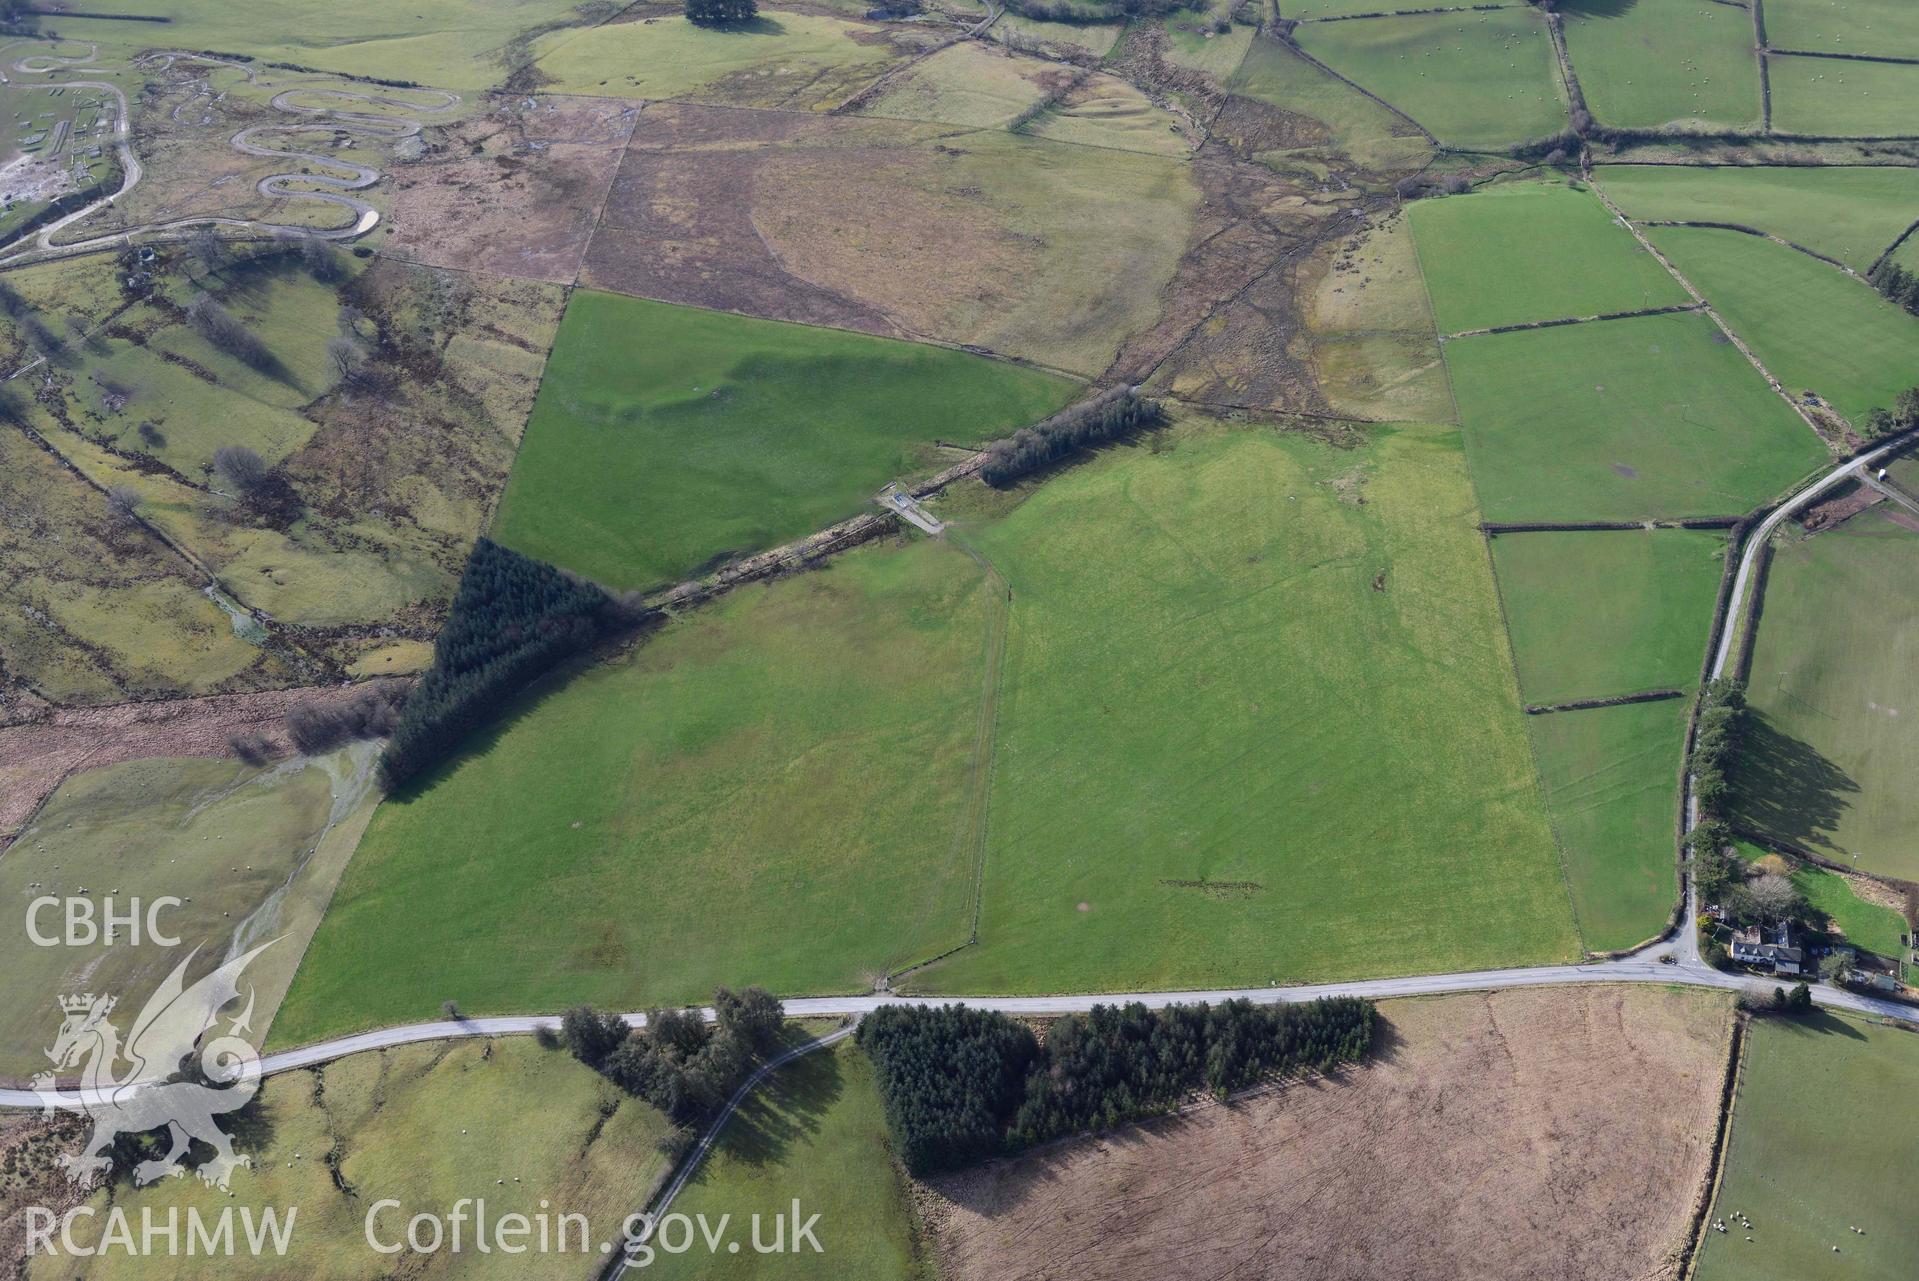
(1641, 967)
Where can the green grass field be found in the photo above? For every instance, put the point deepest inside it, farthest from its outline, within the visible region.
(815, 1131)
(1597, 614)
(1623, 420)
(1844, 26)
(1531, 251)
(1688, 63)
(1827, 97)
(527, 1129)
(666, 437)
(1256, 724)
(221, 836)
(1826, 765)
(1822, 1141)
(1816, 328)
(1852, 213)
(1477, 80)
(1611, 778)
(772, 790)
(454, 44)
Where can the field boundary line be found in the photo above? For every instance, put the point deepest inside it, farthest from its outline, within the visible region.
(1765, 66)
(1294, 46)
(1893, 248)
(1610, 700)
(1751, 356)
(977, 817)
(1742, 228)
(1673, 310)
(1721, 1144)
(1843, 57)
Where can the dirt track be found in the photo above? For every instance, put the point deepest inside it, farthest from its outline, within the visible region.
(1561, 1134)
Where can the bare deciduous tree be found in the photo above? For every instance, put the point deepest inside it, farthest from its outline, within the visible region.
(124, 502)
(239, 468)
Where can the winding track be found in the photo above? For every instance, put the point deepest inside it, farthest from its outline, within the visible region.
(40, 246)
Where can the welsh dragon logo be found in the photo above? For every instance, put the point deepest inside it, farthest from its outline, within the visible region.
(157, 1088)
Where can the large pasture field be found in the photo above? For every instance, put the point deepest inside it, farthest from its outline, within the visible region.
(1822, 1141)
(1816, 328)
(774, 789)
(1656, 416)
(667, 437)
(1256, 719)
(1844, 26)
(1828, 763)
(1611, 778)
(1828, 97)
(1473, 79)
(1594, 614)
(1849, 212)
(1683, 63)
(1531, 251)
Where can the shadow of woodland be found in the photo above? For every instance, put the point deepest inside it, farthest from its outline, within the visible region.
(1787, 788)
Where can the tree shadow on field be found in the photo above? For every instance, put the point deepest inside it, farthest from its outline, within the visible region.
(784, 1108)
(1597, 8)
(759, 25)
(1817, 1022)
(1786, 788)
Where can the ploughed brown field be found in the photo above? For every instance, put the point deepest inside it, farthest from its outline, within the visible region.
(1562, 1133)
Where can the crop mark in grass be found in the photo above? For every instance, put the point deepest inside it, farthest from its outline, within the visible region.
(1216, 889)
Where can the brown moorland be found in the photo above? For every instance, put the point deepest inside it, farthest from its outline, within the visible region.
(1560, 1133)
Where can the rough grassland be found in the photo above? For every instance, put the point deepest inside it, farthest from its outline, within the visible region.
(666, 437)
(1373, 136)
(1598, 614)
(95, 611)
(969, 83)
(455, 44)
(785, 60)
(815, 1131)
(1827, 97)
(1688, 63)
(1822, 1141)
(1623, 420)
(1531, 251)
(1253, 727)
(1611, 776)
(1852, 213)
(1835, 685)
(221, 836)
(1374, 351)
(772, 791)
(1474, 79)
(1816, 328)
(1553, 1133)
(1844, 26)
(426, 1125)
